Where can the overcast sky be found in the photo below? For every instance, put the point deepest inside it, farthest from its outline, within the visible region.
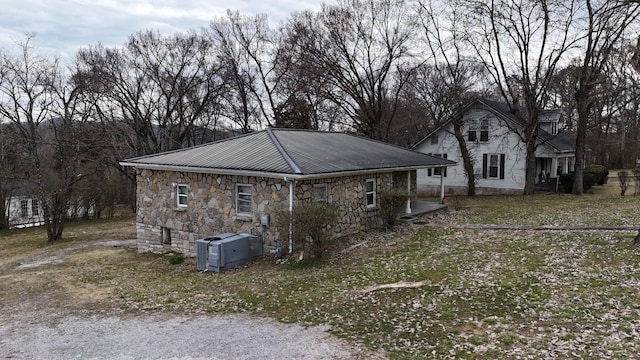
(64, 26)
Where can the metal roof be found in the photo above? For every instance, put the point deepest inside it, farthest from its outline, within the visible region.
(290, 153)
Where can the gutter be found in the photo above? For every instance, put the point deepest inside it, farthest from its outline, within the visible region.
(273, 175)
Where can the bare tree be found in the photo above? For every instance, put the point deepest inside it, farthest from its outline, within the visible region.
(154, 93)
(357, 48)
(604, 26)
(454, 78)
(247, 49)
(43, 107)
(520, 44)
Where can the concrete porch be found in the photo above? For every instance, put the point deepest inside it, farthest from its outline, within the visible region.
(421, 207)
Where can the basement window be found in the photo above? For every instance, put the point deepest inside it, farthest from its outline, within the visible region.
(166, 236)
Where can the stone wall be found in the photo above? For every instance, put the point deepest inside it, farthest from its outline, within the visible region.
(211, 209)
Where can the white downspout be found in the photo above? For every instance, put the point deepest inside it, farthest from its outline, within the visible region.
(290, 216)
(408, 209)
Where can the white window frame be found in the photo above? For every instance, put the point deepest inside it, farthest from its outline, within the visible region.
(484, 130)
(436, 171)
(320, 193)
(244, 199)
(371, 192)
(473, 129)
(497, 166)
(35, 207)
(24, 208)
(182, 195)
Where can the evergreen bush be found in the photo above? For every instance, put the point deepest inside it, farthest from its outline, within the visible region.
(588, 180)
(599, 171)
(311, 224)
(392, 201)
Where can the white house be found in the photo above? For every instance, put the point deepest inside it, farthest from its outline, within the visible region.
(498, 153)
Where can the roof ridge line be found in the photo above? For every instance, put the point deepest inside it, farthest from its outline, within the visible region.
(283, 152)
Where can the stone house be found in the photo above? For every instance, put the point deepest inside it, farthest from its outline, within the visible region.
(493, 137)
(236, 185)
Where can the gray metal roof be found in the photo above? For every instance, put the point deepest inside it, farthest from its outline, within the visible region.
(290, 152)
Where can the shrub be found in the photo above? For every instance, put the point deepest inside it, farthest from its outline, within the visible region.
(588, 180)
(623, 177)
(600, 172)
(176, 259)
(392, 201)
(636, 177)
(311, 224)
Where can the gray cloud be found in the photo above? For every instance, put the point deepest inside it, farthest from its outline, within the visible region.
(64, 26)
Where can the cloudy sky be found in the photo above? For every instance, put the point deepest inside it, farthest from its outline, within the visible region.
(63, 26)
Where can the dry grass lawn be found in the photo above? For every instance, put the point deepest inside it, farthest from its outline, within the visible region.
(474, 294)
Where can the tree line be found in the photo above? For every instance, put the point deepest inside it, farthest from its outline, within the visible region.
(391, 70)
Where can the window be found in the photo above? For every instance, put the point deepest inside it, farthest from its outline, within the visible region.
(166, 236)
(473, 129)
(35, 207)
(181, 195)
(370, 191)
(437, 171)
(244, 202)
(484, 130)
(320, 193)
(494, 160)
(554, 128)
(24, 208)
(493, 166)
(434, 140)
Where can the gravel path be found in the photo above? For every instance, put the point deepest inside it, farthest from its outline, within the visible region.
(216, 337)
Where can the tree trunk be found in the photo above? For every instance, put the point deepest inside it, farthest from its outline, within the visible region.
(582, 99)
(467, 160)
(581, 135)
(530, 171)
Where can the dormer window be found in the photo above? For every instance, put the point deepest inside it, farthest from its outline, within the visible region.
(554, 128)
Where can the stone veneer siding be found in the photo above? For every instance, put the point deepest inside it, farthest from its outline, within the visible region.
(211, 207)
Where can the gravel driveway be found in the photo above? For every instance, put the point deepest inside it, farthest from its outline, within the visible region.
(38, 329)
(39, 336)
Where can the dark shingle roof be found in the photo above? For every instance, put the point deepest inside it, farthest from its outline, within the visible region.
(561, 141)
(289, 152)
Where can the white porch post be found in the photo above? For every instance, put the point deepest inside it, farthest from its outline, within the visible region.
(554, 167)
(408, 209)
(442, 183)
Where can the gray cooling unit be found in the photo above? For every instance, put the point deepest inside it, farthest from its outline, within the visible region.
(227, 251)
(202, 250)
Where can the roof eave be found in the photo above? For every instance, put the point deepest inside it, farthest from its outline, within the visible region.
(273, 175)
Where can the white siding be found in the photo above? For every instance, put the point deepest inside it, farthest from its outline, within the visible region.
(502, 140)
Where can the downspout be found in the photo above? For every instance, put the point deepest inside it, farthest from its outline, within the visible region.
(408, 209)
(291, 184)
